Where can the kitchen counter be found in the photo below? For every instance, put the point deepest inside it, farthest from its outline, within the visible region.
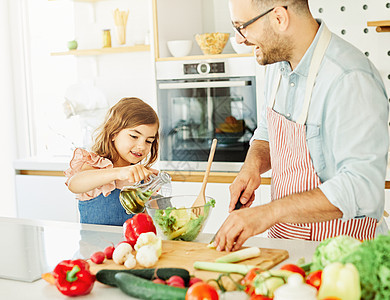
(37, 246)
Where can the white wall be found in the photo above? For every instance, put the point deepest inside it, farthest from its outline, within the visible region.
(7, 119)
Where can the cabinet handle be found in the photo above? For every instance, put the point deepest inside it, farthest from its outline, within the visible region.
(203, 84)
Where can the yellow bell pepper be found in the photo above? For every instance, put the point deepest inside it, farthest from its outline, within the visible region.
(341, 281)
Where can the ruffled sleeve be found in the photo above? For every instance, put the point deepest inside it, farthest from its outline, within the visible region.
(81, 157)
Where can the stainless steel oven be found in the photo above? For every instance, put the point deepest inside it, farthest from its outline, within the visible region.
(201, 100)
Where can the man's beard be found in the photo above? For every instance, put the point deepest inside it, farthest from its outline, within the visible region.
(277, 49)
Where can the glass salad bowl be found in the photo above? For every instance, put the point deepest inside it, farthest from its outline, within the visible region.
(176, 219)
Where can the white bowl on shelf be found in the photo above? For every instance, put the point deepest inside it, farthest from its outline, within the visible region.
(179, 48)
(240, 48)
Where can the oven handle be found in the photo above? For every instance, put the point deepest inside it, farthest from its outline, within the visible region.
(203, 84)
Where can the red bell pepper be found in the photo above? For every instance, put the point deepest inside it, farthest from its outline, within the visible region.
(138, 224)
(73, 278)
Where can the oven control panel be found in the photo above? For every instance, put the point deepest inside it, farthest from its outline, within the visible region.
(204, 68)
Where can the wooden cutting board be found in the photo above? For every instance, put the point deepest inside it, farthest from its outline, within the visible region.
(181, 254)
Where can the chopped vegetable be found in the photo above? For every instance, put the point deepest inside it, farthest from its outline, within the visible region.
(332, 250)
(223, 267)
(147, 256)
(176, 281)
(98, 257)
(339, 280)
(121, 253)
(140, 288)
(138, 224)
(201, 291)
(266, 282)
(73, 278)
(149, 238)
(108, 251)
(294, 268)
(371, 259)
(239, 255)
(314, 279)
(48, 277)
(130, 262)
(180, 223)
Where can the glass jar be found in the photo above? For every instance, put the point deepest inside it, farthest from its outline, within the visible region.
(106, 38)
(134, 197)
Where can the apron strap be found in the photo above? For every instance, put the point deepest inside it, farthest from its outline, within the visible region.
(316, 60)
(274, 91)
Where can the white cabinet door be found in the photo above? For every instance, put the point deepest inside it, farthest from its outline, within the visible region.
(45, 197)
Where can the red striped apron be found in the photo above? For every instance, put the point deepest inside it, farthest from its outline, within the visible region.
(293, 171)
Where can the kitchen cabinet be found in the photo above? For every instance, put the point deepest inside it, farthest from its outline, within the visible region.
(183, 19)
(46, 198)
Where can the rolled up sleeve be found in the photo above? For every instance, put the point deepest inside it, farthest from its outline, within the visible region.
(356, 138)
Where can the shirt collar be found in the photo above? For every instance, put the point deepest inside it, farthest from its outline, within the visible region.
(303, 66)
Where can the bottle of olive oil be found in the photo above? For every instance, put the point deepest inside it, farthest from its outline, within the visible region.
(133, 198)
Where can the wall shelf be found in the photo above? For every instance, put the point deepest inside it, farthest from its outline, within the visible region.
(84, 52)
(381, 26)
(203, 57)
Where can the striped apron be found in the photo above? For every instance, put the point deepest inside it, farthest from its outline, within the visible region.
(292, 168)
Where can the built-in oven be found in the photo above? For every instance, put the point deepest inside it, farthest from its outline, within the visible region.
(201, 100)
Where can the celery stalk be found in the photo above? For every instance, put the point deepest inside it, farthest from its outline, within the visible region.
(222, 267)
(239, 255)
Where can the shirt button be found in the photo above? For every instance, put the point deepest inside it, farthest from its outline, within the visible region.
(282, 69)
(288, 115)
(292, 84)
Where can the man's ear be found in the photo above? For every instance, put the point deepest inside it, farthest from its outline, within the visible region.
(282, 18)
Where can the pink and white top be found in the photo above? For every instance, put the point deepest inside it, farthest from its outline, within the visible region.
(81, 157)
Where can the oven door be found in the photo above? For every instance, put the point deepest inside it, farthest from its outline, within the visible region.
(193, 112)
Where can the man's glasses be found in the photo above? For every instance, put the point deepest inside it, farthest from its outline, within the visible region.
(246, 24)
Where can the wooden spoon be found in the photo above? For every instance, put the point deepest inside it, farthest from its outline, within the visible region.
(201, 199)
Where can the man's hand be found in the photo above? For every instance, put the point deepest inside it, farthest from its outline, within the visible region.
(241, 225)
(243, 188)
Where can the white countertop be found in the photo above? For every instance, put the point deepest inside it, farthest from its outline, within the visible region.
(56, 241)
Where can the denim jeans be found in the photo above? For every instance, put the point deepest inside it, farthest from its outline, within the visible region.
(103, 210)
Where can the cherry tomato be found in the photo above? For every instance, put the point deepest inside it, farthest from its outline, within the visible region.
(201, 291)
(247, 281)
(314, 279)
(294, 268)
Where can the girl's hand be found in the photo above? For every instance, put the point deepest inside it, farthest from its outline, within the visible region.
(134, 173)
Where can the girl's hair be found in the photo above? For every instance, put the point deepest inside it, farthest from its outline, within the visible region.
(127, 113)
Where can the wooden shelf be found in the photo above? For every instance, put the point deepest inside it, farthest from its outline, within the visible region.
(83, 52)
(91, 1)
(381, 26)
(202, 57)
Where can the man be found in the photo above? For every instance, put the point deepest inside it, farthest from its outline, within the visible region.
(323, 131)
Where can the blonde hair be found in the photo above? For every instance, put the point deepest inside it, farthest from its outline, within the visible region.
(127, 113)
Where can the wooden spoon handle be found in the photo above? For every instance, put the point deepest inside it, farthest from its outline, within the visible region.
(210, 161)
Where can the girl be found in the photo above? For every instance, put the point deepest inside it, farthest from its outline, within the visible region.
(126, 145)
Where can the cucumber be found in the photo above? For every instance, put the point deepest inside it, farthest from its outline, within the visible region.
(106, 276)
(145, 289)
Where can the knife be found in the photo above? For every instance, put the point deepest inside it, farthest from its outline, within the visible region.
(238, 206)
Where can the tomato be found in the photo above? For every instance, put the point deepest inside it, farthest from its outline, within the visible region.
(247, 281)
(201, 291)
(314, 279)
(294, 268)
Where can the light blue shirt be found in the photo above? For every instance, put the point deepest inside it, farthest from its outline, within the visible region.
(346, 127)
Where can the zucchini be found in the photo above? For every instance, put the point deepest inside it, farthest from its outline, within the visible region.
(145, 289)
(106, 276)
